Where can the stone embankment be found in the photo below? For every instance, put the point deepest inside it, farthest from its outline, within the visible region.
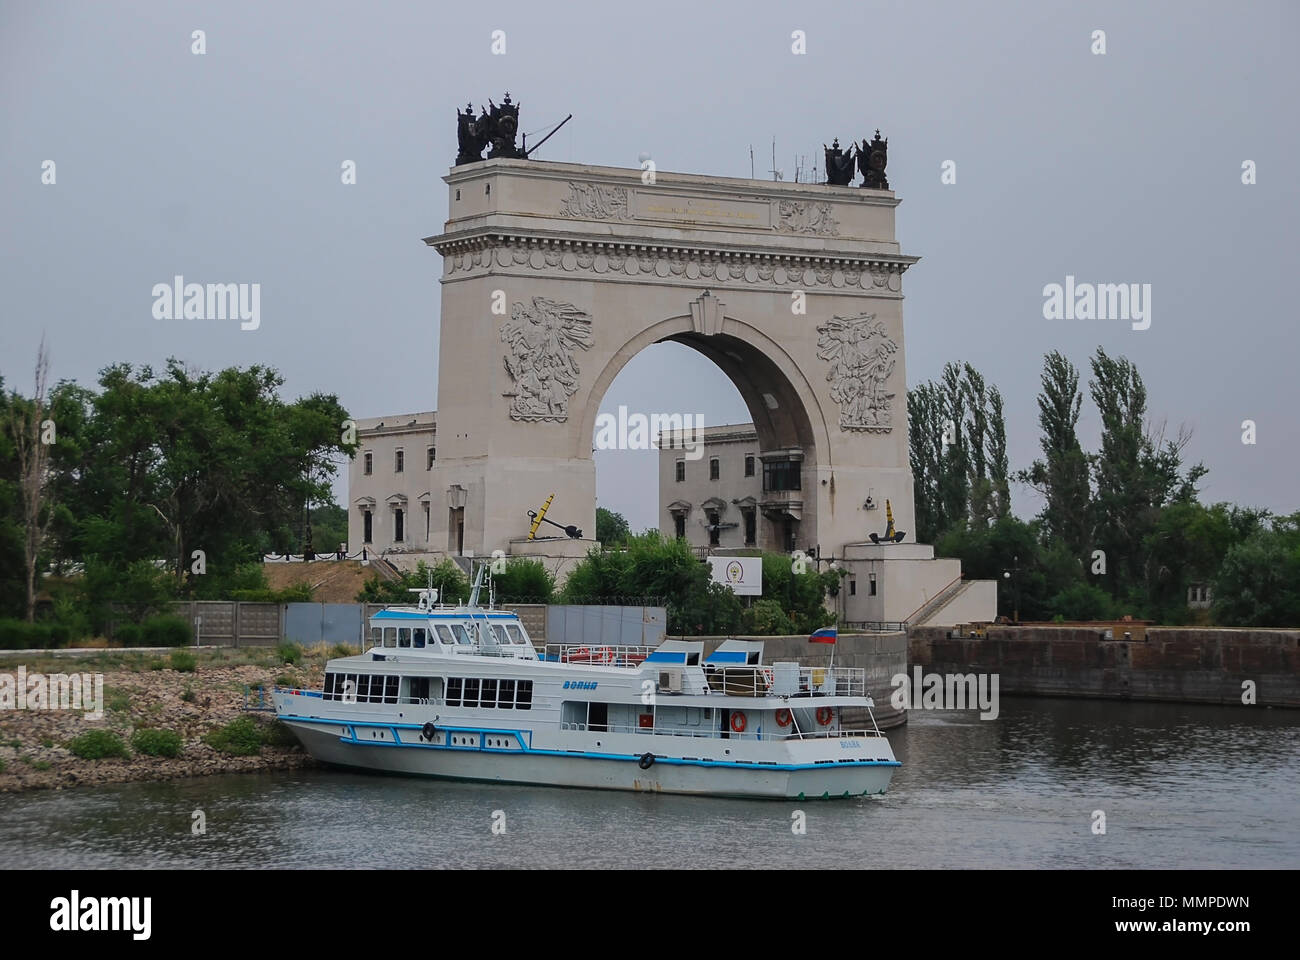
(141, 690)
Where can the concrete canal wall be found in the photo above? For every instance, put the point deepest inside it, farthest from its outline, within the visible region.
(1178, 664)
(882, 655)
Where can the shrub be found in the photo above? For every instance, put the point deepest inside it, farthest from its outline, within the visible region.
(129, 635)
(156, 743)
(98, 744)
(188, 694)
(285, 680)
(279, 734)
(116, 699)
(41, 765)
(766, 618)
(343, 650)
(166, 630)
(21, 635)
(183, 661)
(289, 653)
(524, 581)
(2, 766)
(239, 738)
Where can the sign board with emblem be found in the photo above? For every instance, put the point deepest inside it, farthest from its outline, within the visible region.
(744, 575)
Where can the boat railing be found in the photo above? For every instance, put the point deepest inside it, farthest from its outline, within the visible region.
(602, 655)
(709, 733)
(771, 681)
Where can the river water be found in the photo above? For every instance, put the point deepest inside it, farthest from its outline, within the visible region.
(1180, 787)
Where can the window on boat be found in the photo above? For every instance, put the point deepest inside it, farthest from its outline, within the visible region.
(506, 696)
(471, 692)
(444, 633)
(327, 692)
(524, 695)
(516, 635)
(488, 694)
(391, 685)
(462, 635)
(404, 637)
(418, 689)
(500, 633)
(349, 688)
(376, 636)
(417, 635)
(454, 691)
(390, 636)
(362, 688)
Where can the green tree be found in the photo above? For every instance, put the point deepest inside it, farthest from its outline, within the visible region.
(611, 528)
(1258, 583)
(447, 578)
(524, 580)
(1062, 475)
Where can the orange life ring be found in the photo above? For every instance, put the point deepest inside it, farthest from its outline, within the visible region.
(738, 722)
(824, 715)
(783, 717)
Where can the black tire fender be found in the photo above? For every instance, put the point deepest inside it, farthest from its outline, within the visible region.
(428, 730)
(647, 761)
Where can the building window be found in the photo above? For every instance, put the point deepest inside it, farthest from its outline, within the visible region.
(399, 460)
(367, 527)
(749, 464)
(399, 532)
(368, 463)
(751, 524)
(782, 475)
(714, 532)
(679, 524)
(433, 455)
(853, 587)
(871, 584)
(681, 470)
(715, 470)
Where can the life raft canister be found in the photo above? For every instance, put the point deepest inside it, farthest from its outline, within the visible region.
(824, 715)
(738, 722)
(428, 730)
(783, 717)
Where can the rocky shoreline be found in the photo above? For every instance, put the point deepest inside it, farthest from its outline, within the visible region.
(143, 691)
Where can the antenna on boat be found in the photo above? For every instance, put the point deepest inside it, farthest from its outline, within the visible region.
(478, 585)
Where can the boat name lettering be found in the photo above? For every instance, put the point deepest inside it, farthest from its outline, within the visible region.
(849, 744)
(580, 684)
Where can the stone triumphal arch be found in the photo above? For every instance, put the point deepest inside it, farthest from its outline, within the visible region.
(555, 275)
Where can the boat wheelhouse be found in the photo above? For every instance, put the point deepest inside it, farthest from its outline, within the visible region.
(461, 692)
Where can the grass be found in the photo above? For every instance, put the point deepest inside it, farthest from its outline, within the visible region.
(115, 698)
(187, 694)
(183, 661)
(41, 765)
(47, 742)
(289, 653)
(98, 744)
(286, 680)
(241, 737)
(2, 766)
(156, 743)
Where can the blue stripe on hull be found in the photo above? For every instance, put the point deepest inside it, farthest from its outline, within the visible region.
(579, 754)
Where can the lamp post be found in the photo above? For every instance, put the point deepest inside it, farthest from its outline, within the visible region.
(1014, 576)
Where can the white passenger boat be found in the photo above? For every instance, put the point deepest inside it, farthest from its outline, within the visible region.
(459, 692)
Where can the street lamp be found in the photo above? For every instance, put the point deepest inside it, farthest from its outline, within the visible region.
(1014, 575)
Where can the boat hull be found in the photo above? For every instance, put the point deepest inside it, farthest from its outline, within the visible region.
(611, 771)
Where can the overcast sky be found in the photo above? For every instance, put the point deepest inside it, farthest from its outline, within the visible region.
(225, 167)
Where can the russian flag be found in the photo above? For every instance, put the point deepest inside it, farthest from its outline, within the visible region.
(824, 635)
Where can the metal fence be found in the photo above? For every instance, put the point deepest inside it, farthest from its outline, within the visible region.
(245, 623)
